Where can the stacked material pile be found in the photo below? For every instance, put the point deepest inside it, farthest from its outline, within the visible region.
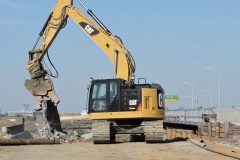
(232, 137)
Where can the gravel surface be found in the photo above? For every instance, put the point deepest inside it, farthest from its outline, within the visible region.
(180, 150)
(127, 151)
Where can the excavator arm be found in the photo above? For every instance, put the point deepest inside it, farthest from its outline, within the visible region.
(111, 45)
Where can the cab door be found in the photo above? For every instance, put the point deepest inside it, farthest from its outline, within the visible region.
(104, 96)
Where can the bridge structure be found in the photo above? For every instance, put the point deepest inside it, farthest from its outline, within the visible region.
(190, 116)
(190, 123)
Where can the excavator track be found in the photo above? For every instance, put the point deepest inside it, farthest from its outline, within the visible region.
(154, 131)
(101, 132)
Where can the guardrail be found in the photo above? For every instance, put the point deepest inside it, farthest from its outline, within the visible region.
(190, 116)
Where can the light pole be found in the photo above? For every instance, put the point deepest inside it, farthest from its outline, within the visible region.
(192, 91)
(219, 86)
(210, 95)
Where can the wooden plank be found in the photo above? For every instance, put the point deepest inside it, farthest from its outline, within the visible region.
(213, 124)
(184, 134)
(217, 132)
(209, 128)
(190, 131)
(221, 135)
(28, 141)
(204, 123)
(205, 133)
(178, 135)
(173, 134)
(199, 132)
(169, 133)
(190, 135)
(195, 136)
(221, 125)
(205, 129)
(213, 134)
(217, 129)
(222, 130)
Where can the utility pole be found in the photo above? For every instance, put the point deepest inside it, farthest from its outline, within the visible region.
(192, 92)
(219, 86)
(210, 95)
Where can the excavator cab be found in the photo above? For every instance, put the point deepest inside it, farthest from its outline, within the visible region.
(115, 95)
(104, 95)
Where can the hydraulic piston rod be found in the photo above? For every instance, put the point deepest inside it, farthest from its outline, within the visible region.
(94, 17)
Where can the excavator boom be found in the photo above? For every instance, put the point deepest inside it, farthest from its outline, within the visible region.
(111, 45)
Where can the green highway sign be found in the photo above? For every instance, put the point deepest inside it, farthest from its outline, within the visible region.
(171, 98)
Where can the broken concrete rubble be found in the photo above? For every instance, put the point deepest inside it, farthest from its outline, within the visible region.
(4, 135)
(86, 137)
(49, 125)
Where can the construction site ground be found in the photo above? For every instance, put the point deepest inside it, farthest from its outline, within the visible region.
(84, 149)
(181, 150)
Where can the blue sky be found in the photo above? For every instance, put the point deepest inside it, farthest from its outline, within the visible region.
(171, 42)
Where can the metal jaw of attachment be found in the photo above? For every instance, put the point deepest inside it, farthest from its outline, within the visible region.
(41, 88)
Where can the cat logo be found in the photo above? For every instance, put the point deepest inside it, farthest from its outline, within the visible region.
(132, 102)
(89, 29)
(160, 100)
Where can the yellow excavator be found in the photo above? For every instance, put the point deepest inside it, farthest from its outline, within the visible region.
(117, 106)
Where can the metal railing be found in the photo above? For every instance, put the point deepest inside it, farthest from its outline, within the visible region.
(190, 116)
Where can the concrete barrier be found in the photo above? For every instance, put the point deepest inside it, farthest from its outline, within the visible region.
(229, 115)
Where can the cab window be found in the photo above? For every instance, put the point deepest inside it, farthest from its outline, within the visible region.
(99, 102)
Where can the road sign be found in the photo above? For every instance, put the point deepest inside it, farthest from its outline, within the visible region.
(171, 98)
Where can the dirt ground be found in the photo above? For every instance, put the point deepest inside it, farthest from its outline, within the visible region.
(128, 151)
(178, 150)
